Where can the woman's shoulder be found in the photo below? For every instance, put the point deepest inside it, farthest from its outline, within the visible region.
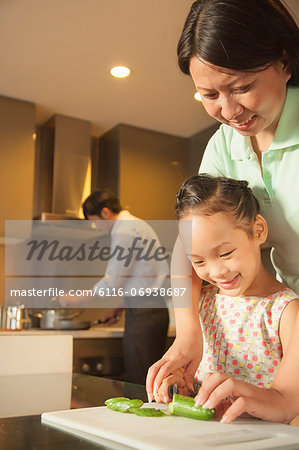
(223, 134)
(293, 93)
(225, 141)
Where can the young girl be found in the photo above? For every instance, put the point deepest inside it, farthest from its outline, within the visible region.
(247, 316)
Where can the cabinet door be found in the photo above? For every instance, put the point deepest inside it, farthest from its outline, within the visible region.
(17, 159)
(17, 153)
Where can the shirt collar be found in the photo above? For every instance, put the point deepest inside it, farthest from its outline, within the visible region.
(287, 133)
(123, 215)
(241, 149)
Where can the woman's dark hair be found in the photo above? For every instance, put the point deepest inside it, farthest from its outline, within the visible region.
(98, 200)
(240, 35)
(209, 195)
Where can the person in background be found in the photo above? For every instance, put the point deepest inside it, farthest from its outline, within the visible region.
(146, 316)
(244, 62)
(247, 316)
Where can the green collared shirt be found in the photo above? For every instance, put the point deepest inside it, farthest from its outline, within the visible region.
(230, 154)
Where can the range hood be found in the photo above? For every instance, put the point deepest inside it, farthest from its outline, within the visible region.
(63, 168)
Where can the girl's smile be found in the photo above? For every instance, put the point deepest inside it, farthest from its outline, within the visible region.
(228, 284)
(224, 254)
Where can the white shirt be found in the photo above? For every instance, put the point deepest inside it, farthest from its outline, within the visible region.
(133, 275)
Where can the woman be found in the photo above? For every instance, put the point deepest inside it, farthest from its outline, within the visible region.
(244, 61)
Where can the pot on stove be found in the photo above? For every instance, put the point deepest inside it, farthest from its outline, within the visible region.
(64, 319)
(50, 318)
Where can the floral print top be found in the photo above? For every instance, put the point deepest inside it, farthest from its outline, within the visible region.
(241, 335)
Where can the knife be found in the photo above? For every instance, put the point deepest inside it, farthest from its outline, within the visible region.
(173, 389)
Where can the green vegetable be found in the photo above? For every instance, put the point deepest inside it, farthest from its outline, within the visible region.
(147, 412)
(182, 405)
(123, 404)
(113, 400)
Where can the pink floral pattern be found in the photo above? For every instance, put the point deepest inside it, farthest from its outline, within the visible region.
(241, 335)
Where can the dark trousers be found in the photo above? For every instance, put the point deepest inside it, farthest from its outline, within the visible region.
(145, 337)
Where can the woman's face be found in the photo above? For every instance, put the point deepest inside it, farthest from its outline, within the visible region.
(249, 102)
(222, 254)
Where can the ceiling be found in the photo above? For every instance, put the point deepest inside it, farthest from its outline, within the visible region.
(58, 53)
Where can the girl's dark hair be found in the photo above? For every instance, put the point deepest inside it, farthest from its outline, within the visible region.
(240, 35)
(98, 200)
(209, 195)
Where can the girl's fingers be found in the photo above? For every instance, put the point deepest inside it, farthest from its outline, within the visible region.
(252, 406)
(166, 369)
(158, 372)
(163, 393)
(209, 384)
(189, 375)
(222, 407)
(155, 375)
(159, 398)
(237, 408)
(150, 378)
(236, 397)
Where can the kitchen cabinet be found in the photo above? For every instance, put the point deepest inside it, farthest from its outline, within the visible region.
(17, 153)
(144, 168)
(96, 351)
(101, 357)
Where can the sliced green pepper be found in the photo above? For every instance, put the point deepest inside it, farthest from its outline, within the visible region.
(182, 405)
(113, 400)
(146, 412)
(123, 404)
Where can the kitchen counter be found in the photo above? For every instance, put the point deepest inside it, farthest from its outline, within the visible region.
(28, 433)
(96, 351)
(92, 333)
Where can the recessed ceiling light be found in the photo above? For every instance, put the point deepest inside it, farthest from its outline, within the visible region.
(197, 96)
(120, 71)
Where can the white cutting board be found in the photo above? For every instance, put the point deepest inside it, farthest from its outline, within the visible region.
(124, 430)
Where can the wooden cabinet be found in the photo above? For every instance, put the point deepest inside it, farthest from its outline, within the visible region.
(17, 153)
(17, 150)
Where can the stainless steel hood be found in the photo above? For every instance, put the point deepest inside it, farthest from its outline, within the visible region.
(63, 159)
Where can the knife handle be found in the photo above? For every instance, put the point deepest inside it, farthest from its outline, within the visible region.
(172, 389)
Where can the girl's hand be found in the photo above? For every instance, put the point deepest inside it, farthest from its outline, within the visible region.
(163, 392)
(185, 353)
(266, 404)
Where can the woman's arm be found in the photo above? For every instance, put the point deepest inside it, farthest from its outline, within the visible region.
(286, 380)
(186, 350)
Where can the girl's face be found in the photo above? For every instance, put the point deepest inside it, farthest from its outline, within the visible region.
(249, 102)
(222, 254)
